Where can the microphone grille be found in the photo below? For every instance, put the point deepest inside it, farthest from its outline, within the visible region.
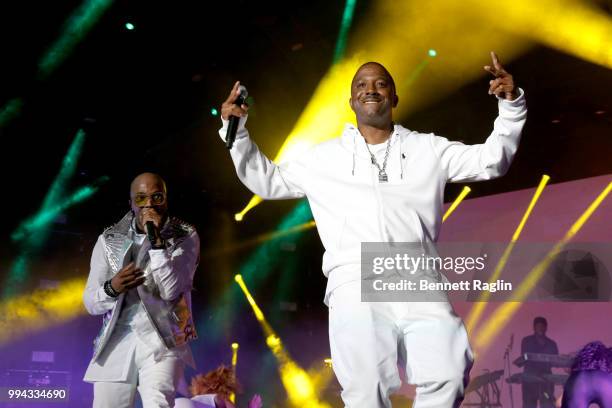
(243, 91)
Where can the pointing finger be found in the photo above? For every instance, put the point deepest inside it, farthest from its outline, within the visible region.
(496, 62)
(233, 93)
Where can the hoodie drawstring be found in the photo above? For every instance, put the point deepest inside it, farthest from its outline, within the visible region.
(401, 163)
(354, 151)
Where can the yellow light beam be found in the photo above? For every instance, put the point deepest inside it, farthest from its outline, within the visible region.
(466, 190)
(532, 203)
(235, 347)
(258, 313)
(577, 27)
(321, 373)
(505, 312)
(41, 309)
(478, 308)
(300, 388)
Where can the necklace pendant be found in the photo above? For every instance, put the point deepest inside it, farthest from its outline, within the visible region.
(382, 177)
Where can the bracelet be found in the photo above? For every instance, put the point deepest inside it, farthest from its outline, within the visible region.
(109, 290)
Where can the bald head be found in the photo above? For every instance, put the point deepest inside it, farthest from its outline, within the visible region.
(379, 66)
(148, 195)
(147, 179)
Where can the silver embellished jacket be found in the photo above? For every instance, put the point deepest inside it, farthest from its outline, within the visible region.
(166, 296)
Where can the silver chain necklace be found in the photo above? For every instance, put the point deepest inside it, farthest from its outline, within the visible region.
(382, 174)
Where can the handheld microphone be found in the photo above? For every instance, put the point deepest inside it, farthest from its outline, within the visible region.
(232, 127)
(150, 227)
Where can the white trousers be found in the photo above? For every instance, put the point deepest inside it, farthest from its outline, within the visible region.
(368, 338)
(156, 382)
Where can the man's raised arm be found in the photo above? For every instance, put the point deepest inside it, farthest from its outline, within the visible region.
(258, 173)
(492, 158)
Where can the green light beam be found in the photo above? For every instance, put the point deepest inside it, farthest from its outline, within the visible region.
(58, 186)
(75, 28)
(78, 25)
(40, 223)
(416, 72)
(10, 111)
(69, 165)
(33, 232)
(345, 25)
(44, 218)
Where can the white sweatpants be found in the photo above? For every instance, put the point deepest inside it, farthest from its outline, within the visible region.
(156, 382)
(367, 338)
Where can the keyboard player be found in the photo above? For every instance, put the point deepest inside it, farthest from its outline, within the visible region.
(538, 343)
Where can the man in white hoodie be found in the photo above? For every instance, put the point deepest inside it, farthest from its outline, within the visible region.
(382, 182)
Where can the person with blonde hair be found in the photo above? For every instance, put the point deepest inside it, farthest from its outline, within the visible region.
(213, 390)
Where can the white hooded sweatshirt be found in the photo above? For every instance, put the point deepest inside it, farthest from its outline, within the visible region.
(351, 206)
